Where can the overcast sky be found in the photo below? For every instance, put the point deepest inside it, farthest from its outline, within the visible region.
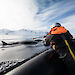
(36, 14)
(17, 14)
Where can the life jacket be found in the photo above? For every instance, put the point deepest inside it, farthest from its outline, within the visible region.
(58, 30)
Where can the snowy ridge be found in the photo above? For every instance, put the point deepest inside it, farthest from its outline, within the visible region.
(20, 35)
(21, 32)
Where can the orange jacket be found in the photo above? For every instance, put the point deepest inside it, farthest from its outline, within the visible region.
(58, 30)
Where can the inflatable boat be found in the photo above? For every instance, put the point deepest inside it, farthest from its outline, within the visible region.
(47, 63)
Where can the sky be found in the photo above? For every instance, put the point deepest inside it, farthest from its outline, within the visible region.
(36, 14)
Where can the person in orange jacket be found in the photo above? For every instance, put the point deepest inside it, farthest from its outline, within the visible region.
(54, 37)
(62, 50)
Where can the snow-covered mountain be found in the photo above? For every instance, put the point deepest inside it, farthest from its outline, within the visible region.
(5, 31)
(22, 32)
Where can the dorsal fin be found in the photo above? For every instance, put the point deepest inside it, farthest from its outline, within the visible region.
(4, 43)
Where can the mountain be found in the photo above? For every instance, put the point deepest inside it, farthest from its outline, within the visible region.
(5, 31)
(22, 32)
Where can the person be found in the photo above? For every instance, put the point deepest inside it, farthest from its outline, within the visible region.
(61, 42)
(54, 38)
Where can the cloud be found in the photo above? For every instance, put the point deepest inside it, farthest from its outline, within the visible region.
(60, 11)
(69, 22)
(36, 14)
(56, 10)
(17, 14)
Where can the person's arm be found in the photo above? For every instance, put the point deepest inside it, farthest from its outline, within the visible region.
(69, 34)
(48, 39)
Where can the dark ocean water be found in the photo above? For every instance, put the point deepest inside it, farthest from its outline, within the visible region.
(11, 54)
(18, 51)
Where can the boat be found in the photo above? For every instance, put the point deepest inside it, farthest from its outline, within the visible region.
(46, 63)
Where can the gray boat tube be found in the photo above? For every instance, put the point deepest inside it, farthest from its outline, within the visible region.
(45, 63)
